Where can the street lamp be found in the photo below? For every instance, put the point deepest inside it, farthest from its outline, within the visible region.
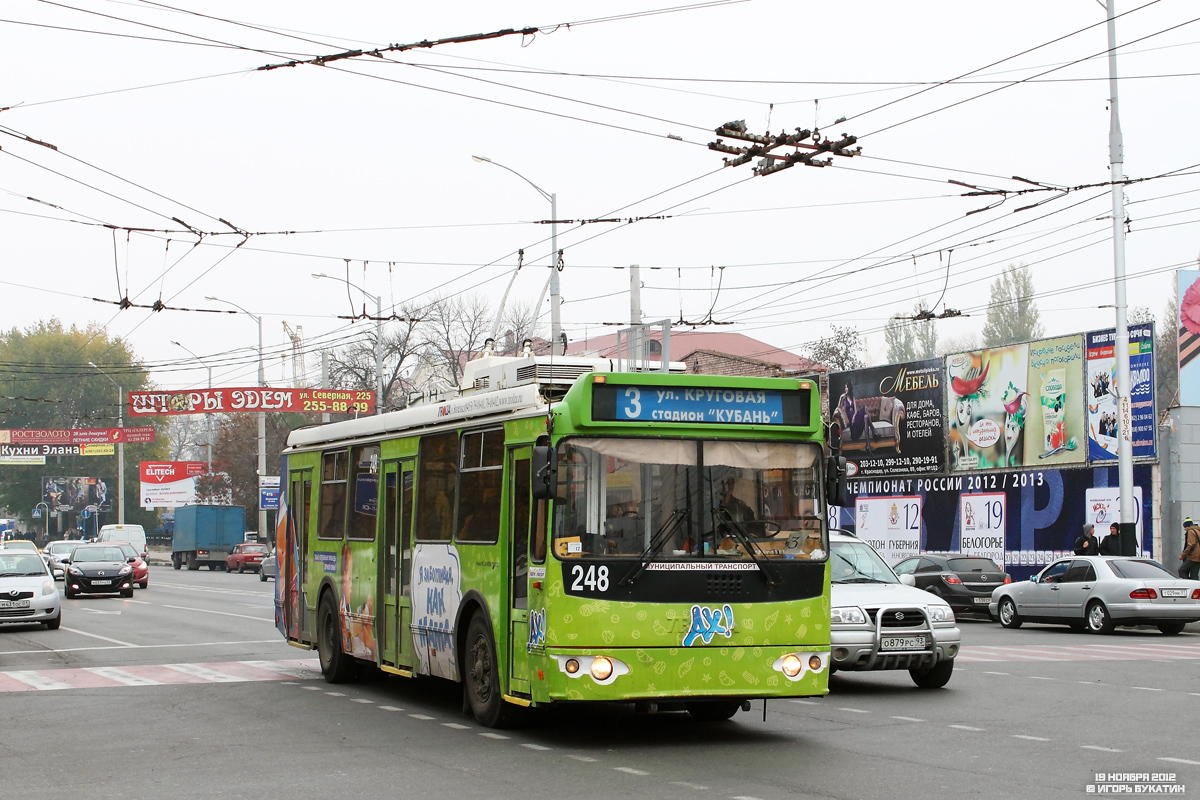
(207, 417)
(378, 336)
(555, 301)
(262, 417)
(120, 445)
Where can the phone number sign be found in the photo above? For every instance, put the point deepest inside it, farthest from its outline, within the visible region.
(219, 401)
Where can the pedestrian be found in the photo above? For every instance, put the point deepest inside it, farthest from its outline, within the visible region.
(1190, 557)
(1111, 545)
(1086, 545)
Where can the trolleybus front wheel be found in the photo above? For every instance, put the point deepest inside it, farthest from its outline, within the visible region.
(482, 679)
(336, 666)
(714, 711)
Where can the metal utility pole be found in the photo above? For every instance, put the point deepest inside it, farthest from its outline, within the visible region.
(637, 334)
(324, 380)
(555, 299)
(120, 446)
(1122, 387)
(378, 336)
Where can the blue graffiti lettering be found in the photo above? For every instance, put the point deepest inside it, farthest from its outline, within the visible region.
(709, 622)
(537, 630)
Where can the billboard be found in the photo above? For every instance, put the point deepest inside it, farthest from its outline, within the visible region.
(78, 436)
(1102, 419)
(1188, 284)
(75, 494)
(223, 401)
(1017, 405)
(170, 484)
(891, 418)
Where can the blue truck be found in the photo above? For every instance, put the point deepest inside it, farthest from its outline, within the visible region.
(204, 535)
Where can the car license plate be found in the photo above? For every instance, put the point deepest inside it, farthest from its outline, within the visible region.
(982, 600)
(14, 604)
(1173, 592)
(101, 583)
(902, 643)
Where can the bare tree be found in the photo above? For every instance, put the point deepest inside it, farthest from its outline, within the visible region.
(841, 350)
(456, 328)
(188, 436)
(518, 324)
(353, 366)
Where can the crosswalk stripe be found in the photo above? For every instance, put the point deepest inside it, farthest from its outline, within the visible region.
(37, 680)
(1090, 652)
(121, 676)
(201, 671)
(156, 675)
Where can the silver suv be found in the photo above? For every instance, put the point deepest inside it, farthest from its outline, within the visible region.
(879, 621)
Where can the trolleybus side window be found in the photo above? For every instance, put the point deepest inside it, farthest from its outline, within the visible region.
(364, 463)
(436, 486)
(481, 479)
(332, 522)
(406, 516)
(391, 505)
(538, 551)
(520, 531)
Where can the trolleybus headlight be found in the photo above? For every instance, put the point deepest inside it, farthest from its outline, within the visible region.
(602, 668)
(814, 663)
(792, 665)
(572, 666)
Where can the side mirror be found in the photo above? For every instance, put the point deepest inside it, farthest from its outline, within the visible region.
(1033, 578)
(64, 561)
(545, 472)
(132, 559)
(836, 493)
(908, 580)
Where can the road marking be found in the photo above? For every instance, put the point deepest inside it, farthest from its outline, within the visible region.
(1101, 749)
(743, 797)
(121, 676)
(966, 728)
(694, 786)
(1039, 678)
(201, 671)
(37, 680)
(221, 613)
(138, 646)
(312, 688)
(532, 746)
(457, 726)
(1029, 738)
(806, 702)
(387, 708)
(421, 716)
(1091, 652)
(362, 700)
(854, 710)
(336, 694)
(491, 735)
(584, 759)
(98, 636)
(307, 672)
(631, 771)
(1180, 761)
(995, 673)
(1145, 688)
(909, 719)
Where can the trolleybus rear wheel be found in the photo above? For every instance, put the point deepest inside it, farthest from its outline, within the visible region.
(482, 678)
(336, 666)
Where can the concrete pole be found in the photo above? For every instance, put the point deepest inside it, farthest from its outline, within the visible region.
(121, 457)
(636, 343)
(379, 354)
(262, 434)
(324, 380)
(208, 422)
(1116, 156)
(555, 299)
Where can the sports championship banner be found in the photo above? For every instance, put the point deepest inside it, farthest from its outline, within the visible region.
(1189, 336)
(1102, 417)
(891, 418)
(78, 436)
(170, 484)
(218, 401)
(74, 494)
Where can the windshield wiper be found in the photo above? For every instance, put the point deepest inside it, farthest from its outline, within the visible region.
(656, 541)
(861, 579)
(726, 519)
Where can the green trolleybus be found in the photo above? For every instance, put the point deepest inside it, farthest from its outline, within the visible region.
(558, 532)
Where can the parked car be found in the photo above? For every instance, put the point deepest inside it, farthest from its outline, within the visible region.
(133, 534)
(266, 568)
(27, 590)
(19, 544)
(965, 582)
(880, 621)
(98, 569)
(246, 556)
(53, 555)
(1098, 593)
(141, 568)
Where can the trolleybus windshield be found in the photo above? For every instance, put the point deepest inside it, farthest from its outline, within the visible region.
(688, 499)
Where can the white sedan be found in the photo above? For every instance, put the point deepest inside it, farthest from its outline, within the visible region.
(1099, 593)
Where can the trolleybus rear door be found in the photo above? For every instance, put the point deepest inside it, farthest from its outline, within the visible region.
(296, 621)
(519, 504)
(396, 562)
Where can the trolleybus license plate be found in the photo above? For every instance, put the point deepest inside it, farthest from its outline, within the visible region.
(902, 643)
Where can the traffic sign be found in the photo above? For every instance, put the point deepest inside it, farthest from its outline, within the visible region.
(268, 499)
(85, 513)
(37, 513)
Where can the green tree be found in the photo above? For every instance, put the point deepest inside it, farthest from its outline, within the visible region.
(1012, 314)
(46, 382)
(1166, 352)
(909, 339)
(841, 350)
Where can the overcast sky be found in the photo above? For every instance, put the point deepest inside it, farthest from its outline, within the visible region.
(369, 160)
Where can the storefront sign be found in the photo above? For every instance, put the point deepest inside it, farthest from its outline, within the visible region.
(208, 401)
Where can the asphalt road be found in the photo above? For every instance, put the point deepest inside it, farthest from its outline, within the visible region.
(187, 691)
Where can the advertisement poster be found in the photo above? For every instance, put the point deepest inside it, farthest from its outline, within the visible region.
(170, 484)
(1053, 408)
(1101, 398)
(892, 525)
(75, 494)
(1042, 514)
(211, 401)
(988, 399)
(78, 436)
(1189, 337)
(891, 418)
(983, 518)
(1104, 508)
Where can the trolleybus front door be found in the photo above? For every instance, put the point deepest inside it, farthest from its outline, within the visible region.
(396, 562)
(519, 505)
(291, 569)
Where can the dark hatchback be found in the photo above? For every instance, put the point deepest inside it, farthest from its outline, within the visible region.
(965, 582)
(98, 569)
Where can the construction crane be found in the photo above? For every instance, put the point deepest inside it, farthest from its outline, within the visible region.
(298, 369)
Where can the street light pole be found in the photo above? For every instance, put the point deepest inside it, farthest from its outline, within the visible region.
(556, 346)
(378, 336)
(262, 417)
(120, 446)
(207, 416)
(47, 507)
